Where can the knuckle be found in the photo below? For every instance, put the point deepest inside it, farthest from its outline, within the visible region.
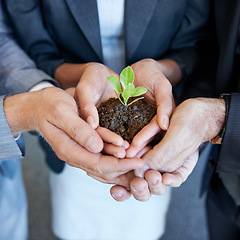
(76, 132)
(97, 169)
(158, 191)
(58, 109)
(85, 107)
(181, 179)
(155, 163)
(142, 198)
(62, 151)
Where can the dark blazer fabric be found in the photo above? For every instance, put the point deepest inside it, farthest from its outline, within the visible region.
(223, 214)
(227, 22)
(68, 30)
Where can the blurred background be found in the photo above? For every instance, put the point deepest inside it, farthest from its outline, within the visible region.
(36, 175)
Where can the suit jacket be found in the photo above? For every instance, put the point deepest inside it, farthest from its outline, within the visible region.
(18, 74)
(69, 30)
(227, 15)
(224, 160)
(9, 149)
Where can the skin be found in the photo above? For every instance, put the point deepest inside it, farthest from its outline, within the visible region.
(55, 114)
(193, 122)
(161, 74)
(157, 76)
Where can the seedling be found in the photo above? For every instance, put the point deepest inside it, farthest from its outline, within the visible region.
(129, 90)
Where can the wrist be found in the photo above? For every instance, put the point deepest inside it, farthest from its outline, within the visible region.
(19, 112)
(218, 139)
(215, 117)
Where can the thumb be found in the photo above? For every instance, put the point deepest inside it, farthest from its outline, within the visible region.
(165, 102)
(164, 111)
(87, 108)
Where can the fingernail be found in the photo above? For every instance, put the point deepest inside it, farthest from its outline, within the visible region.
(131, 154)
(91, 122)
(153, 182)
(126, 145)
(120, 154)
(92, 144)
(165, 122)
(167, 182)
(137, 189)
(117, 195)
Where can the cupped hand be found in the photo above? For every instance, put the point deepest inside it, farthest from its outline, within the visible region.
(193, 122)
(93, 89)
(140, 188)
(154, 76)
(74, 140)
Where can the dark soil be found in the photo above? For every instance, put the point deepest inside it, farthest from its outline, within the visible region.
(123, 120)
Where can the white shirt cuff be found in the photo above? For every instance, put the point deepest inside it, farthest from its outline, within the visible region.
(16, 137)
(41, 85)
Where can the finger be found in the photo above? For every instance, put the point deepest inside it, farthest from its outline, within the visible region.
(77, 129)
(119, 193)
(116, 151)
(176, 178)
(122, 180)
(107, 167)
(144, 137)
(143, 151)
(170, 153)
(165, 102)
(111, 137)
(139, 189)
(141, 171)
(70, 91)
(155, 184)
(85, 96)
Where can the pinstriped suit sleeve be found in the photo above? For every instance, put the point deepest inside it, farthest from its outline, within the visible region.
(8, 147)
(229, 157)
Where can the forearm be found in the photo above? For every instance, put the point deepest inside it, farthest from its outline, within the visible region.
(171, 70)
(69, 74)
(215, 110)
(19, 111)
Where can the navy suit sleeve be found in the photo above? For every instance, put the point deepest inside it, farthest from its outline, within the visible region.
(229, 157)
(185, 46)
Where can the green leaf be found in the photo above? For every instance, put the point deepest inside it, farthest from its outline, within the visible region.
(126, 76)
(135, 100)
(139, 91)
(127, 92)
(115, 83)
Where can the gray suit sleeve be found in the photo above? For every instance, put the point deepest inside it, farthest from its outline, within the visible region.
(18, 72)
(35, 41)
(9, 149)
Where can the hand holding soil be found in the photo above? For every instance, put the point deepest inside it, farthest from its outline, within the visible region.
(127, 114)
